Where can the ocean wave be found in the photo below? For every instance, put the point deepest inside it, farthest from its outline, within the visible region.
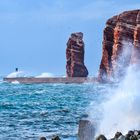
(16, 74)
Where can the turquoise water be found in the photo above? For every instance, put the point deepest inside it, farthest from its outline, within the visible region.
(32, 111)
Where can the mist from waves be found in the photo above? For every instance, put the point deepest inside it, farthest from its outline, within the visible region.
(17, 74)
(121, 109)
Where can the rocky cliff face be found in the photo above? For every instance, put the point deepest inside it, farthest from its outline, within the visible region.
(121, 44)
(75, 56)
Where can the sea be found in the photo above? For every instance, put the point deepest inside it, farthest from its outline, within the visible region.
(30, 111)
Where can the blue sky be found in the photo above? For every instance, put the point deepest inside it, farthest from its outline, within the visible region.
(33, 33)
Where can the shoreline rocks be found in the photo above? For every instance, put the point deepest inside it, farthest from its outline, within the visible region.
(131, 135)
(55, 137)
(43, 138)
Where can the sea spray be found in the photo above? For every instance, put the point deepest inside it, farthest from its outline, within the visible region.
(45, 74)
(121, 112)
(16, 74)
(121, 62)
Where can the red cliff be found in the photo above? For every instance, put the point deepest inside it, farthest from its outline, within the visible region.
(121, 44)
(75, 56)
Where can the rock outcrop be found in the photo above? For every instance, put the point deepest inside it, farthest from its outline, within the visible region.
(131, 135)
(121, 44)
(75, 56)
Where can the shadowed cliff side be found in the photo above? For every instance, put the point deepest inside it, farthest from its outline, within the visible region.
(75, 56)
(121, 44)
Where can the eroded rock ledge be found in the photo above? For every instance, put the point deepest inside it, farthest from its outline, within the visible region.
(121, 44)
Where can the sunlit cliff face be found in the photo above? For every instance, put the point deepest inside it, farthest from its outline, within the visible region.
(121, 44)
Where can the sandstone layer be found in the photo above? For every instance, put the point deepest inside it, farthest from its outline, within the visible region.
(121, 44)
(75, 56)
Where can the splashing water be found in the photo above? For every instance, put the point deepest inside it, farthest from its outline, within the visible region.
(16, 74)
(45, 74)
(121, 112)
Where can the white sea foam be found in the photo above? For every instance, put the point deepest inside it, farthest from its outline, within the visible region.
(15, 82)
(122, 111)
(45, 74)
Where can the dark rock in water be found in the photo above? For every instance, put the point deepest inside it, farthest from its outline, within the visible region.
(138, 132)
(117, 135)
(43, 138)
(75, 56)
(56, 138)
(133, 137)
(101, 137)
(127, 136)
(130, 133)
(86, 130)
(121, 44)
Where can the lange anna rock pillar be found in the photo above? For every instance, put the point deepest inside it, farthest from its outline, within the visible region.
(75, 56)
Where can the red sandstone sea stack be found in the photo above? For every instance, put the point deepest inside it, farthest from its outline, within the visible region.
(121, 44)
(75, 56)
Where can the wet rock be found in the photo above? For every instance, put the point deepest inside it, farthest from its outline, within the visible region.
(43, 138)
(138, 132)
(121, 44)
(131, 133)
(101, 137)
(127, 136)
(75, 56)
(86, 130)
(133, 137)
(117, 135)
(56, 138)
(121, 137)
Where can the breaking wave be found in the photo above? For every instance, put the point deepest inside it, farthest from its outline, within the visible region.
(121, 110)
(16, 74)
(45, 74)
